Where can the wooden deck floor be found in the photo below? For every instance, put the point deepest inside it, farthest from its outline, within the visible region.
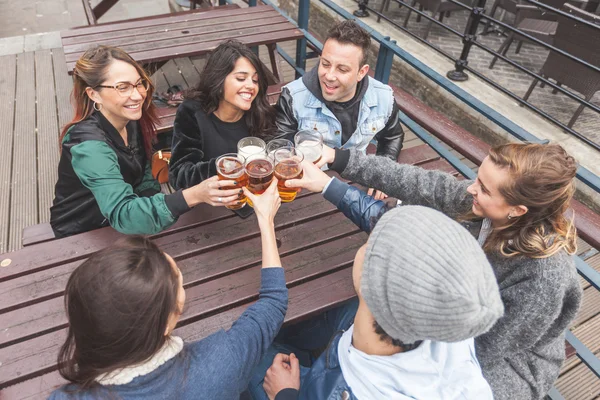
(34, 104)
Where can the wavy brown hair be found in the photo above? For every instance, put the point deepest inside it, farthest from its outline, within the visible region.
(118, 303)
(90, 71)
(260, 119)
(541, 177)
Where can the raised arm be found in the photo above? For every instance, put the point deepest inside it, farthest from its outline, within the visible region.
(187, 167)
(391, 137)
(413, 185)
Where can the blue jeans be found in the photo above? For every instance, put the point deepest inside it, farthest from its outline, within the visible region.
(303, 339)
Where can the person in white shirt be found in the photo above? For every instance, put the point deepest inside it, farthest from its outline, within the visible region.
(425, 289)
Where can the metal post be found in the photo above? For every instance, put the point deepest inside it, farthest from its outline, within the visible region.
(458, 73)
(383, 68)
(362, 9)
(222, 2)
(303, 14)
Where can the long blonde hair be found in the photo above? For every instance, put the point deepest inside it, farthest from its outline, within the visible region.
(541, 177)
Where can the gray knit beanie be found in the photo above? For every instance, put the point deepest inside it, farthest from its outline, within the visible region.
(426, 278)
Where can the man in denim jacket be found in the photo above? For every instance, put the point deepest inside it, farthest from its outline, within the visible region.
(339, 100)
(425, 289)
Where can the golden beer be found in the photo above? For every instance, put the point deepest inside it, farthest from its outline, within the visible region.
(288, 165)
(231, 167)
(259, 170)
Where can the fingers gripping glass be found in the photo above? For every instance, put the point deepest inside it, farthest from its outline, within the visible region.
(125, 89)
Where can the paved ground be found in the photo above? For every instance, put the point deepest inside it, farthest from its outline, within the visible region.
(531, 56)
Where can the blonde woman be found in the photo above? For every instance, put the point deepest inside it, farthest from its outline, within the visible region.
(516, 208)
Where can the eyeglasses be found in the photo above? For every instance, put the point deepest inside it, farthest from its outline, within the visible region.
(125, 89)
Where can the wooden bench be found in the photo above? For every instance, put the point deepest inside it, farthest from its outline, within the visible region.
(219, 255)
(190, 33)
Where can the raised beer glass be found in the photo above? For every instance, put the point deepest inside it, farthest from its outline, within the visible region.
(288, 165)
(259, 168)
(249, 146)
(277, 144)
(231, 167)
(310, 143)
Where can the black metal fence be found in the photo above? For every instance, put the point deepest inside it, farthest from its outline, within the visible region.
(478, 18)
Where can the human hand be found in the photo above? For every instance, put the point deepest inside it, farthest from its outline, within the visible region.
(313, 178)
(327, 156)
(377, 194)
(282, 374)
(266, 204)
(209, 191)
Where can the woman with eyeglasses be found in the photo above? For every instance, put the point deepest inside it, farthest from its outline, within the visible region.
(104, 174)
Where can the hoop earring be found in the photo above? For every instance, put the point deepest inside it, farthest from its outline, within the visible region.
(96, 106)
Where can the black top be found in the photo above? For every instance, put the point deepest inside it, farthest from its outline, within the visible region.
(198, 140)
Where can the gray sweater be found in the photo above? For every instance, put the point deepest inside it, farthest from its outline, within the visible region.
(522, 354)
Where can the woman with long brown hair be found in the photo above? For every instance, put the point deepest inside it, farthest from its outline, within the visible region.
(123, 305)
(104, 174)
(229, 103)
(516, 208)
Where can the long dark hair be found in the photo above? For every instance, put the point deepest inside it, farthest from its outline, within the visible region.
(260, 119)
(118, 304)
(90, 71)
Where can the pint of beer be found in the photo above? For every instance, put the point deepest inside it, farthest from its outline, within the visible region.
(288, 165)
(277, 144)
(231, 167)
(259, 168)
(249, 146)
(310, 143)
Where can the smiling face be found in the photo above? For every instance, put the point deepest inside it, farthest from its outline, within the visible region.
(488, 202)
(340, 70)
(119, 110)
(240, 87)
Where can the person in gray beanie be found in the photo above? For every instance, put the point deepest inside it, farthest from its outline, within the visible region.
(425, 289)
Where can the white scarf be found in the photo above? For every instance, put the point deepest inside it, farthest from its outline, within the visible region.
(170, 349)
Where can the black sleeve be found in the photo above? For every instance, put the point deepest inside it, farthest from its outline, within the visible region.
(186, 168)
(287, 394)
(390, 138)
(286, 122)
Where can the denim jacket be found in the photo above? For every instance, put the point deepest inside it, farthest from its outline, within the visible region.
(299, 109)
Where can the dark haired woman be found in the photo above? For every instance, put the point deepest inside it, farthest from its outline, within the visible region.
(123, 304)
(229, 103)
(104, 175)
(516, 208)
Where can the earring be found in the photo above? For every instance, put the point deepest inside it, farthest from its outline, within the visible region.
(97, 106)
(509, 216)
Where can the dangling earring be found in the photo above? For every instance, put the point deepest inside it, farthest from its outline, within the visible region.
(509, 216)
(97, 106)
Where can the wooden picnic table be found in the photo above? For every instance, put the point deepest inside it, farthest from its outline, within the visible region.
(190, 33)
(219, 255)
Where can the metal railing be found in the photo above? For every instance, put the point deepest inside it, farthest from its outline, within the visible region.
(388, 49)
(469, 39)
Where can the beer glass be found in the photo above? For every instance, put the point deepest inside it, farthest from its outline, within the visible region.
(231, 167)
(310, 143)
(249, 146)
(288, 165)
(259, 168)
(277, 144)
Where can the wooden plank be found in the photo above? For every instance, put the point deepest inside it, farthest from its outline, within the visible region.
(163, 19)
(47, 132)
(63, 85)
(172, 30)
(593, 262)
(588, 223)
(305, 300)
(38, 355)
(172, 75)
(23, 207)
(590, 306)
(48, 316)
(159, 45)
(588, 333)
(37, 234)
(8, 74)
(188, 71)
(579, 384)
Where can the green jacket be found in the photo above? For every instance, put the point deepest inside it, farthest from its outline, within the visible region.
(102, 182)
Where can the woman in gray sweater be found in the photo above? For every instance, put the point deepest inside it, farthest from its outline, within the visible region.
(516, 209)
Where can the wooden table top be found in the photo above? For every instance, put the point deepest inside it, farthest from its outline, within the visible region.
(185, 34)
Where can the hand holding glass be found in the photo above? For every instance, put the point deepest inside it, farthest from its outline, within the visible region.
(231, 167)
